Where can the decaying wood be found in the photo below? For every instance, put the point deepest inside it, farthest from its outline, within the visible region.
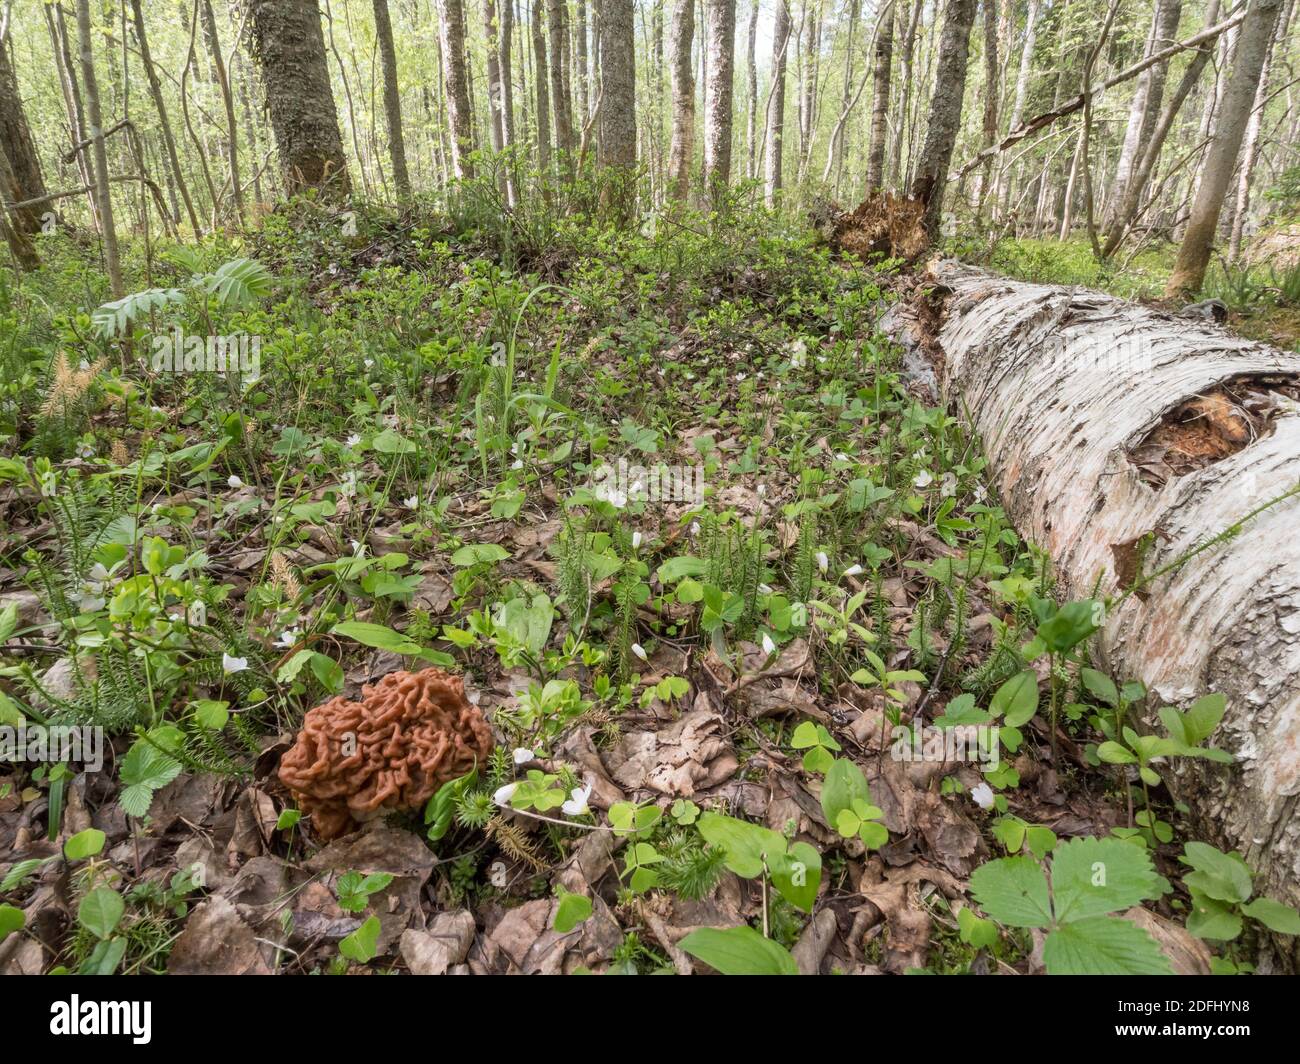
(1067, 387)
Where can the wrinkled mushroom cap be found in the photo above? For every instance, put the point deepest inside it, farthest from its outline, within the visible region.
(410, 733)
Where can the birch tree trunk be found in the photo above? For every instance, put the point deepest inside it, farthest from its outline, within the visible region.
(751, 139)
(1145, 105)
(721, 30)
(1127, 209)
(681, 32)
(461, 118)
(776, 103)
(1250, 149)
(880, 99)
(1253, 41)
(393, 98)
(1063, 385)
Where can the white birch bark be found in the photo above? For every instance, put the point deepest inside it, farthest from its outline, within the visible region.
(1060, 384)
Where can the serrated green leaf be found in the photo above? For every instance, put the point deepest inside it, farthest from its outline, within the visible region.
(1013, 891)
(1103, 945)
(1092, 877)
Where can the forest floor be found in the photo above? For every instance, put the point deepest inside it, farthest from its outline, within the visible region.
(410, 479)
(1262, 294)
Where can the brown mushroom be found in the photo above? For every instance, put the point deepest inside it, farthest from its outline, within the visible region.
(410, 733)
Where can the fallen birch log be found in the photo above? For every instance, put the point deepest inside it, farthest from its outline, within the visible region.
(1106, 424)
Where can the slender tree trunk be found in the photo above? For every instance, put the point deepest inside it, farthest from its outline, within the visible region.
(99, 153)
(618, 86)
(880, 76)
(169, 141)
(751, 132)
(681, 33)
(902, 126)
(945, 111)
(228, 101)
(1145, 108)
(456, 76)
(557, 25)
(1250, 149)
(20, 150)
(1252, 45)
(776, 103)
(71, 86)
(721, 29)
(1127, 209)
(581, 63)
(290, 52)
(992, 91)
(393, 98)
(541, 83)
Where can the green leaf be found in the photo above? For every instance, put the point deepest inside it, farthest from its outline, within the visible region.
(961, 711)
(1216, 875)
(11, 919)
(745, 844)
(478, 553)
(739, 951)
(1274, 915)
(1212, 919)
(683, 565)
(84, 844)
(361, 944)
(797, 875)
(1103, 945)
(1092, 877)
(147, 766)
(1100, 685)
(20, 871)
(379, 636)
(101, 911)
(239, 282)
(1070, 625)
(1016, 701)
(391, 442)
(8, 621)
(1114, 754)
(1013, 891)
(572, 910)
(976, 931)
(844, 782)
(1202, 717)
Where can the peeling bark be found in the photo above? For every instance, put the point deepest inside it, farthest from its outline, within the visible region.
(1062, 385)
